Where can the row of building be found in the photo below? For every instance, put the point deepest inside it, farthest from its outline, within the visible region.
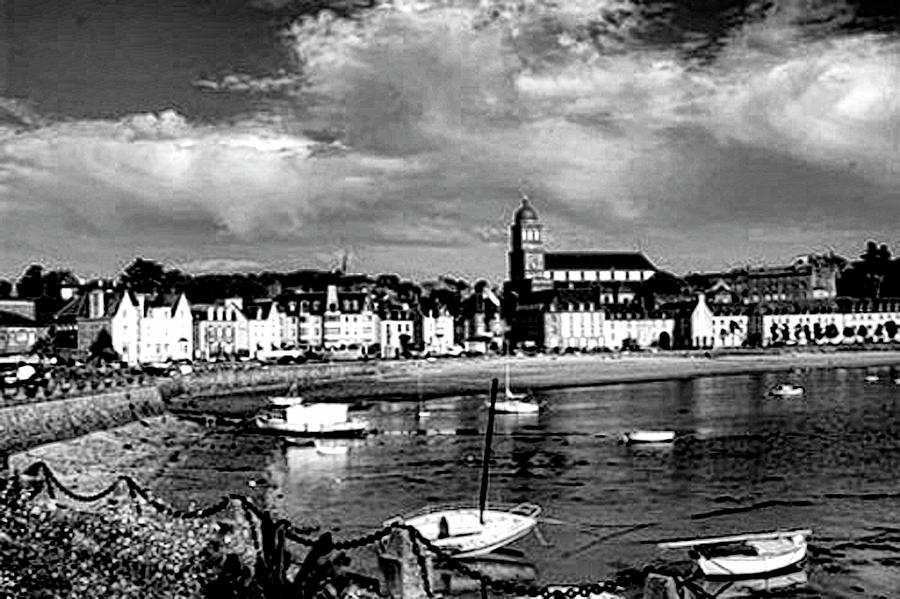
(586, 300)
(558, 301)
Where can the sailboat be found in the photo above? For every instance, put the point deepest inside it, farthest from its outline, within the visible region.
(468, 531)
(421, 411)
(515, 403)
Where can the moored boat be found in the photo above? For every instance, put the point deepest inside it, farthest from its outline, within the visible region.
(871, 378)
(787, 390)
(468, 531)
(746, 555)
(516, 406)
(646, 436)
(317, 420)
(283, 401)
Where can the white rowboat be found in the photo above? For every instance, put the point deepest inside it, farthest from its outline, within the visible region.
(648, 437)
(747, 554)
(787, 390)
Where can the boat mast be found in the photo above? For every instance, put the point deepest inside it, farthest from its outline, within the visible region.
(489, 435)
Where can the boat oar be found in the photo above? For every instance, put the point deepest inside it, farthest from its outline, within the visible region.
(594, 525)
(607, 537)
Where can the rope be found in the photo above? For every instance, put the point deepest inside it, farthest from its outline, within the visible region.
(300, 535)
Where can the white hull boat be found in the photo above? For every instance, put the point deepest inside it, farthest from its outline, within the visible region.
(787, 390)
(516, 406)
(471, 531)
(648, 437)
(280, 401)
(872, 378)
(316, 420)
(324, 449)
(747, 555)
(462, 532)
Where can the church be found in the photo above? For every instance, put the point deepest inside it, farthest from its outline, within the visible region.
(580, 300)
(615, 275)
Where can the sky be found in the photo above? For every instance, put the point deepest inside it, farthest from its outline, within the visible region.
(217, 135)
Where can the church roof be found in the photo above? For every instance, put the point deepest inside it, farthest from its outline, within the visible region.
(597, 261)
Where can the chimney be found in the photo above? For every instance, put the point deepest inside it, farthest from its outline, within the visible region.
(331, 299)
(96, 304)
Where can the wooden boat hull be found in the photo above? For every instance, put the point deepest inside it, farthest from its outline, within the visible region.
(751, 565)
(466, 536)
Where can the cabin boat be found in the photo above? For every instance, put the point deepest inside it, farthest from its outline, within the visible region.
(787, 390)
(469, 531)
(643, 436)
(746, 555)
(316, 420)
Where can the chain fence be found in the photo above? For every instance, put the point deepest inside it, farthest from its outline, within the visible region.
(270, 546)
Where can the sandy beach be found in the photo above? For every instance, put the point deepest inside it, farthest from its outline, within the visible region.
(410, 379)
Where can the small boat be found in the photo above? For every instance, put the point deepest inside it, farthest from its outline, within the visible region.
(323, 449)
(787, 390)
(648, 437)
(468, 531)
(514, 403)
(316, 420)
(746, 555)
(897, 381)
(871, 378)
(516, 406)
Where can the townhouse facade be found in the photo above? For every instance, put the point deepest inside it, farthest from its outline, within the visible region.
(220, 330)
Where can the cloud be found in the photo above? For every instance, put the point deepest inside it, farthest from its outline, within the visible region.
(219, 265)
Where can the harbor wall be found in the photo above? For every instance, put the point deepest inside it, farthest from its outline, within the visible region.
(29, 425)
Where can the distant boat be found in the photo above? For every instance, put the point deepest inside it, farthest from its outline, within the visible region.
(514, 403)
(787, 390)
(470, 531)
(643, 436)
(871, 378)
(744, 555)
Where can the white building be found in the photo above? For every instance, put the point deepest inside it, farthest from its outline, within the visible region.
(438, 333)
(220, 329)
(166, 328)
(264, 327)
(397, 332)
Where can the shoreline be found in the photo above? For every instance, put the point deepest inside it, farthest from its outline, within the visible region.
(408, 381)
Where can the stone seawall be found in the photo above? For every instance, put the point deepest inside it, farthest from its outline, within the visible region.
(26, 426)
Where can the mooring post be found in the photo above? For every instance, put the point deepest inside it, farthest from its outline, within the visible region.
(659, 586)
(400, 566)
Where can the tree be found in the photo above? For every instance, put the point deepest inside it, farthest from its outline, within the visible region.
(774, 332)
(876, 262)
(807, 333)
(818, 331)
(5, 289)
(831, 331)
(862, 331)
(890, 327)
(879, 331)
(102, 347)
(849, 332)
(144, 276)
(31, 284)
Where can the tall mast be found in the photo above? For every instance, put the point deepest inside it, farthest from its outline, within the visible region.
(489, 435)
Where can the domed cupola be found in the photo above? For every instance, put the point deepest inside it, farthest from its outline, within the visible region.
(525, 212)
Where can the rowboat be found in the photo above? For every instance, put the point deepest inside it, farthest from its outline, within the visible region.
(469, 531)
(787, 390)
(750, 554)
(643, 436)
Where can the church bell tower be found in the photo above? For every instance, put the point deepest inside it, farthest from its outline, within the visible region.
(526, 255)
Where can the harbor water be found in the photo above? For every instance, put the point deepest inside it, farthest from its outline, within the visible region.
(743, 461)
